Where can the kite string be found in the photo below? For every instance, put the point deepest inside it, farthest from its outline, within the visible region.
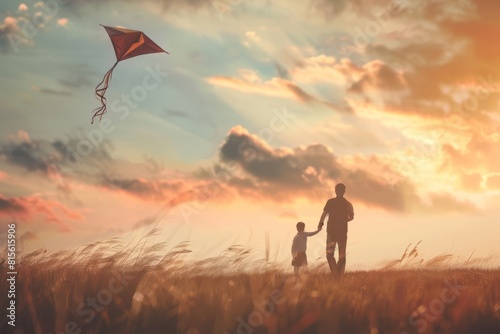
(99, 94)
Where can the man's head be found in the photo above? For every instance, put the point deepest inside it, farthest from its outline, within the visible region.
(300, 227)
(340, 190)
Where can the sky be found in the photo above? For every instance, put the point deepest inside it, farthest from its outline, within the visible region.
(244, 129)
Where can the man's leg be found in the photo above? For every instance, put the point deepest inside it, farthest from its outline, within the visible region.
(304, 270)
(330, 253)
(342, 251)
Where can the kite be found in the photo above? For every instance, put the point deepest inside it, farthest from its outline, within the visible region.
(127, 44)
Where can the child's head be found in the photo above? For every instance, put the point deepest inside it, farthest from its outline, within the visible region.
(340, 189)
(301, 226)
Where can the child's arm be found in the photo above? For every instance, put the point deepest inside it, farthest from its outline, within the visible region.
(310, 234)
(294, 248)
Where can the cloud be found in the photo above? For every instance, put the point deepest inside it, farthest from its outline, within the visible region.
(30, 155)
(472, 181)
(448, 59)
(281, 71)
(326, 69)
(493, 182)
(11, 36)
(50, 91)
(445, 203)
(378, 77)
(330, 7)
(77, 82)
(144, 222)
(281, 166)
(451, 95)
(76, 76)
(39, 155)
(263, 173)
(311, 172)
(29, 236)
(144, 188)
(334, 8)
(22, 135)
(252, 35)
(289, 215)
(164, 5)
(60, 160)
(176, 113)
(199, 187)
(478, 153)
(62, 22)
(374, 81)
(250, 82)
(28, 208)
(11, 206)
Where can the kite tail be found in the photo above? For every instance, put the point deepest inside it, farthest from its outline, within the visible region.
(99, 94)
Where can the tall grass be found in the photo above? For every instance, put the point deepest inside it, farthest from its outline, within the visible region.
(166, 292)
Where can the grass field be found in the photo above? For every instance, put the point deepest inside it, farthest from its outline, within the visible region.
(104, 288)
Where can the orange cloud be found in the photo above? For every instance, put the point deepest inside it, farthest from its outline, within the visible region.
(21, 135)
(62, 22)
(27, 208)
(471, 181)
(322, 68)
(11, 36)
(250, 82)
(378, 76)
(289, 215)
(29, 236)
(310, 172)
(252, 35)
(478, 154)
(144, 188)
(493, 182)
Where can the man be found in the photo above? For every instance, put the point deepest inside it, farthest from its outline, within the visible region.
(340, 212)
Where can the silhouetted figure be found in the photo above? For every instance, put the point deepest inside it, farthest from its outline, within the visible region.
(339, 211)
(299, 247)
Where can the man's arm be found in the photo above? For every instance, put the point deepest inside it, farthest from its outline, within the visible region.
(322, 219)
(350, 216)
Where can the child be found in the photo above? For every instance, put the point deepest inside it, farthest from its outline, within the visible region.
(299, 247)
